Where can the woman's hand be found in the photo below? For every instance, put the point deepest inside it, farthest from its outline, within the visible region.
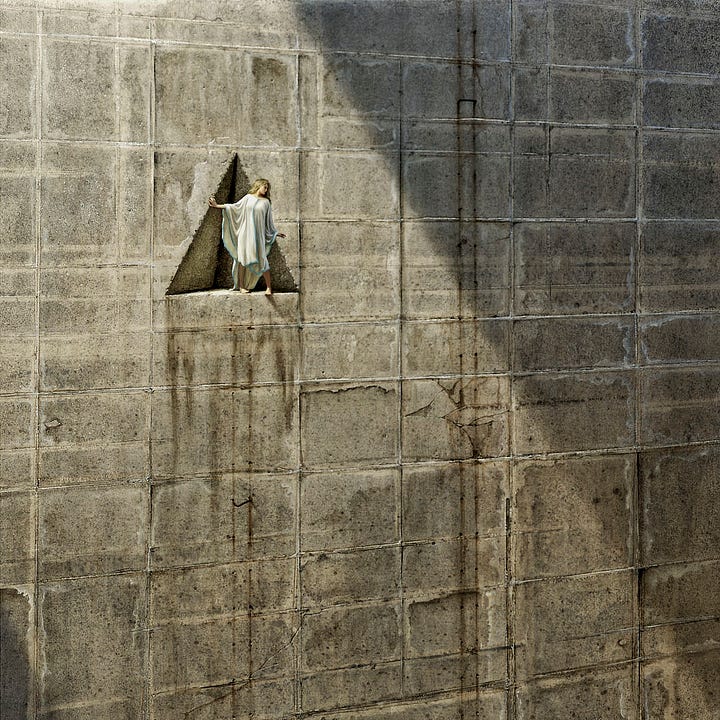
(212, 203)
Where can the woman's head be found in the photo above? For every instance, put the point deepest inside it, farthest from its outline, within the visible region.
(261, 187)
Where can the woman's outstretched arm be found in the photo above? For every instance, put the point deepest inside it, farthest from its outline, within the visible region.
(213, 204)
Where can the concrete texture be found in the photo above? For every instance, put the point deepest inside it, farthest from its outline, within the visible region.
(464, 465)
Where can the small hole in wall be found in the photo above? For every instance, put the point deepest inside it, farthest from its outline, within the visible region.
(206, 264)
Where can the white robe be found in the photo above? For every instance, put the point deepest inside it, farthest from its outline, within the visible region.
(248, 233)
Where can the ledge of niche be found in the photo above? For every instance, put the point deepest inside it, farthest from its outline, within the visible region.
(215, 308)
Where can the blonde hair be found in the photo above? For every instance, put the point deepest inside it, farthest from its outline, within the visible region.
(257, 184)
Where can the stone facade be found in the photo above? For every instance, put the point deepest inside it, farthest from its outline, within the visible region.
(465, 466)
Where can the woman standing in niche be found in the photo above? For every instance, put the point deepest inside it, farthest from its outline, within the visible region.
(248, 233)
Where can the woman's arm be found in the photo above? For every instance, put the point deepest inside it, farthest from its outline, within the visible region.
(213, 204)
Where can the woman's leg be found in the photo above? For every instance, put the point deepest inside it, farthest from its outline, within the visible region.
(268, 284)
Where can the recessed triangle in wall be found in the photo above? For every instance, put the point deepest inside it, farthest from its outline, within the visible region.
(206, 264)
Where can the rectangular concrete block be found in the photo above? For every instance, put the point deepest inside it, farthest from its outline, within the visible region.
(330, 579)
(676, 266)
(530, 97)
(356, 85)
(360, 282)
(354, 686)
(74, 464)
(135, 89)
(98, 417)
(551, 496)
(596, 695)
(353, 635)
(115, 521)
(331, 435)
(464, 673)
(17, 676)
(680, 104)
(444, 501)
(592, 174)
(574, 412)
(431, 185)
(573, 622)
(432, 90)
(679, 338)
(581, 97)
(678, 502)
(17, 469)
(215, 651)
(77, 218)
(455, 419)
(531, 40)
(663, 641)
(231, 355)
(81, 619)
(470, 135)
(17, 364)
(17, 204)
(678, 175)
(17, 429)
(192, 86)
(79, 80)
(351, 350)
(224, 430)
(223, 519)
(564, 343)
(350, 186)
(77, 20)
(679, 405)
(262, 698)
(17, 538)
(221, 309)
(695, 675)
(387, 28)
(360, 134)
(679, 42)
(455, 623)
(585, 34)
(222, 589)
(342, 510)
(569, 268)
(106, 361)
(455, 270)
(686, 593)
(134, 217)
(17, 86)
(453, 565)
(459, 347)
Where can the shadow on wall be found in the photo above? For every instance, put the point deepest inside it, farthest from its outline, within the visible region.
(386, 35)
(206, 264)
(15, 681)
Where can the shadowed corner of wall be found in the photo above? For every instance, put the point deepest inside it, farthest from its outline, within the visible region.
(207, 265)
(15, 682)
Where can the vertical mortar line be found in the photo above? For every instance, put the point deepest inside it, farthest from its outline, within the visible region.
(150, 139)
(639, 112)
(299, 112)
(400, 482)
(459, 220)
(37, 230)
(511, 667)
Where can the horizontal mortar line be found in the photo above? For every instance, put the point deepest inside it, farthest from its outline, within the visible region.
(624, 570)
(680, 622)
(235, 615)
(679, 652)
(531, 679)
(466, 693)
(680, 564)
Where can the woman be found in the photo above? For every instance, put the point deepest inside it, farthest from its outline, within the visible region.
(248, 233)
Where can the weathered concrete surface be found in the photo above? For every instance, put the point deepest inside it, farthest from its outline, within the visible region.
(468, 469)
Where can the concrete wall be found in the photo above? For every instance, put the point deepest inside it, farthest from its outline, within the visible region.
(469, 469)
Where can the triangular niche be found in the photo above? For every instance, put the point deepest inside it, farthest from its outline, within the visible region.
(206, 264)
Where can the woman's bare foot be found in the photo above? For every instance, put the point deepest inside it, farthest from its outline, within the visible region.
(268, 291)
(245, 291)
